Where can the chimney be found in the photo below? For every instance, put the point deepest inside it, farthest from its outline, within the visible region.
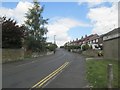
(76, 39)
(85, 36)
(82, 37)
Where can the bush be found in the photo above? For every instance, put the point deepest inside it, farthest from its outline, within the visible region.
(100, 53)
(61, 46)
(74, 47)
(51, 47)
(85, 47)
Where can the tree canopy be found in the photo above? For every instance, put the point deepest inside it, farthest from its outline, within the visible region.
(35, 27)
(12, 34)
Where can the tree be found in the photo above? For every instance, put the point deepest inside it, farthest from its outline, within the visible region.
(35, 28)
(12, 34)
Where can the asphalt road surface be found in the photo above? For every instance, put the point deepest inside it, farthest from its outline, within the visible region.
(60, 70)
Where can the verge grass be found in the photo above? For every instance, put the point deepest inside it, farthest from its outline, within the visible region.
(97, 73)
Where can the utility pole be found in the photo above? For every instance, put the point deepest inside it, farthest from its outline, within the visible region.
(54, 39)
(54, 43)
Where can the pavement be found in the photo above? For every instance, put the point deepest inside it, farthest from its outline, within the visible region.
(95, 58)
(60, 70)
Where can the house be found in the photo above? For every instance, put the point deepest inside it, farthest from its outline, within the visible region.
(100, 42)
(91, 40)
(111, 44)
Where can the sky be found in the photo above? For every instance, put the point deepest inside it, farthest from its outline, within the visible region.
(69, 20)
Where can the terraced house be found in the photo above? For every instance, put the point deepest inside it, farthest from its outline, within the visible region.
(93, 40)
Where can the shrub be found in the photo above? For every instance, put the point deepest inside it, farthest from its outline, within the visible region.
(85, 47)
(51, 47)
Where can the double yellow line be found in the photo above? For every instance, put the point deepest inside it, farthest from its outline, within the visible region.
(50, 76)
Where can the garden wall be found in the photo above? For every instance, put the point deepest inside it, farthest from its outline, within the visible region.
(12, 55)
(111, 49)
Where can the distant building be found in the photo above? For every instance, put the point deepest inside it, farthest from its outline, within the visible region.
(111, 45)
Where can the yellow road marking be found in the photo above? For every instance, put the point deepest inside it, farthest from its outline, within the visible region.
(47, 78)
(51, 76)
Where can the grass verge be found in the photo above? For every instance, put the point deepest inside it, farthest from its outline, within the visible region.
(97, 73)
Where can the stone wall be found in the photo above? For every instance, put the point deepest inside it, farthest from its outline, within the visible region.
(111, 48)
(12, 55)
(91, 53)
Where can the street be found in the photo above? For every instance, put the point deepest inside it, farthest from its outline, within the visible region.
(60, 70)
(56, 44)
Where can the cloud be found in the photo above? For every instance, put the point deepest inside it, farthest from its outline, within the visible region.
(91, 3)
(94, 3)
(60, 28)
(17, 13)
(104, 19)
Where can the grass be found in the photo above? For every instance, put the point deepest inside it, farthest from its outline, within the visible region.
(97, 73)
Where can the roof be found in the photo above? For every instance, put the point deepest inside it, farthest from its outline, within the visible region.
(91, 37)
(115, 31)
(88, 38)
(95, 36)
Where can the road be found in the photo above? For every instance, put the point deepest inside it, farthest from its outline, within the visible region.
(60, 70)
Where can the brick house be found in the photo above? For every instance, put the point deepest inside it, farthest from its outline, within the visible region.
(111, 45)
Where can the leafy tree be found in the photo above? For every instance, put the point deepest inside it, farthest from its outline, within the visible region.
(12, 34)
(35, 28)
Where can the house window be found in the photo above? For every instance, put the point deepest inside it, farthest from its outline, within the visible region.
(93, 41)
(90, 42)
(96, 40)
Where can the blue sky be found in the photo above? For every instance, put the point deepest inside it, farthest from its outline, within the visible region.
(64, 9)
(69, 10)
(76, 19)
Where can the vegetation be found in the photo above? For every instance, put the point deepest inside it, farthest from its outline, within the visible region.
(97, 73)
(100, 53)
(86, 47)
(12, 34)
(51, 47)
(72, 47)
(35, 28)
(61, 46)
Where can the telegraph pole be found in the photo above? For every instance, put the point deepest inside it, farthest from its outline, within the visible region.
(54, 39)
(54, 42)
